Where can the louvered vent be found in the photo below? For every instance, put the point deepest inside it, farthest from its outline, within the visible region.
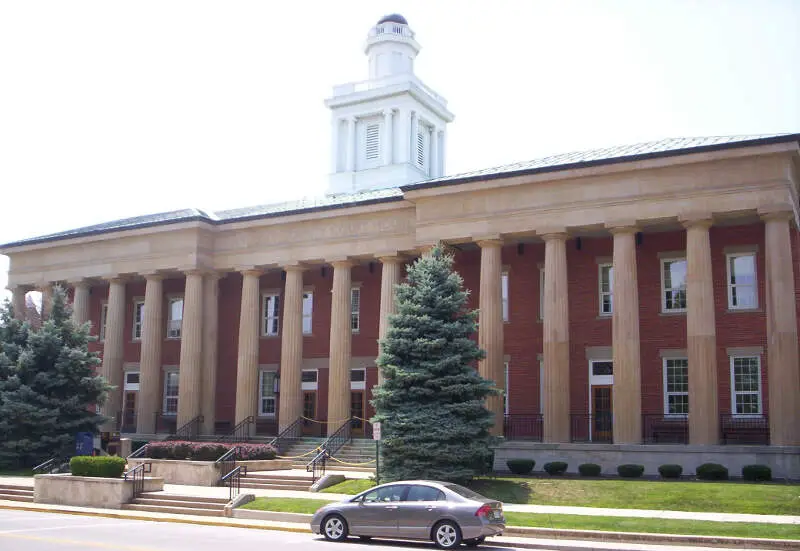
(373, 148)
(421, 149)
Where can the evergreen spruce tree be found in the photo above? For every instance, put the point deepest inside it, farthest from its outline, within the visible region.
(434, 423)
(47, 386)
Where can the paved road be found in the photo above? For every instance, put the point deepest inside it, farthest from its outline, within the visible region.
(30, 531)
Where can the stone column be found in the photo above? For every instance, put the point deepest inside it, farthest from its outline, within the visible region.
(390, 277)
(783, 373)
(18, 294)
(149, 398)
(339, 369)
(47, 300)
(247, 368)
(80, 302)
(701, 335)
(291, 398)
(627, 396)
(208, 406)
(113, 351)
(388, 144)
(556, 339)
(490, 327)
(351, 144)
(191, 367)
(434, 170)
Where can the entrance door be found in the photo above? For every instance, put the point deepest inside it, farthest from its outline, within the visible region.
(357, 412)
(602, 412)
(129, 411)
(310, 428)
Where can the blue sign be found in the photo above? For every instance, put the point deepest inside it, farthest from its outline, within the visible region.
(84, 443)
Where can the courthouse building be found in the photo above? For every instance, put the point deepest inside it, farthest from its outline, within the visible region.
(639, 298)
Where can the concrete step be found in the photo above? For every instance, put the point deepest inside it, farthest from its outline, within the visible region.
(189, 503)
(175, 497)
(275, 486)
(275, 477)
(16, 492)
(175, 510)
(333, 466)
(16, 497)
(15, 488)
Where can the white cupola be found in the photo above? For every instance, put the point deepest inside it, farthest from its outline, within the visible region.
(390, 130)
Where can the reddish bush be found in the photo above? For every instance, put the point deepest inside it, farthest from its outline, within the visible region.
(206, 451)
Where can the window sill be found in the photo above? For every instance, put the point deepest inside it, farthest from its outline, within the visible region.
(270, 336)
(669, 313)
(169, 414)
(605, 316)
(172, 338)
(743, 310)
(308, 334)
(266, 416)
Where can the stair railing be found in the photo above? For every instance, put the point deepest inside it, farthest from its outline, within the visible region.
(239, 433)
(338, 439)
(287, 436)
(317, 465)
(227, 462)
(137, 475)
(189, 431)
(233, 480)
(51, 466)
(139, 452)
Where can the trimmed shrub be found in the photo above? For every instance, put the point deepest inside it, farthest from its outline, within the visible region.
(555, 467)
(756, 473)
(670, 471)
(712, 471)
(520, 466)
(102, 467)
(630, 470)
(589, 469)
(207, 451)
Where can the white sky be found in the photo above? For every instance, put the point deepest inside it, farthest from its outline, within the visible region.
(116, 109)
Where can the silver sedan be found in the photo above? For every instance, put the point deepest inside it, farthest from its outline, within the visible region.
(446, 513)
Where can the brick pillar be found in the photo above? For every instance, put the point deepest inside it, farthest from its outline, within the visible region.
(80, 302)
(291, 399)
(701, 335)
(490, 327)
(339, 369)
(390, 276)
(247, 368)
(149, 398)
(556, 339)
(627, 359)
(208, 394)
(113, 351)
(783, 372)
(47, 300)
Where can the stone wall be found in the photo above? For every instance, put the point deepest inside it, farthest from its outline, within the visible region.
(201, 473)
(87, 491)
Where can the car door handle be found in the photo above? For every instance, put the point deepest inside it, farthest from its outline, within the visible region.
(390, 507)
(431, 507)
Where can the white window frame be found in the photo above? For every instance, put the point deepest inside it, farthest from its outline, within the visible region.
(504, 295)
(541, 294)
(131, 386)
(167, 397)
(138, 319)
(355, 309)
(602, 294)
(666, 392)
(664, 290)
(262, 397)
(101, 333)
(174, 327)
(270, 315)
(728, 263)
(310, 385)
(308, 316)
(358, 385)
(758, 393)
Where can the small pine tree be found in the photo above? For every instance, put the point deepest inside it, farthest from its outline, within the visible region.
(434, 423)
(47, 386)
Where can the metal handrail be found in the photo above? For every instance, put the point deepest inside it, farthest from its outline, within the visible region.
(139, 452)
(227, 461)
(234, 480)
(317, 465)
(50, 466)
(288, 435)
(239, 433)
(137, 475)
(188, 431)
(338, 439)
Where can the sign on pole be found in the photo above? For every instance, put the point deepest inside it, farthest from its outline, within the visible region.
(376, 431)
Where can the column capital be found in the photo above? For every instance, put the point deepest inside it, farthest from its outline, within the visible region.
(250, 271)
(390, 258)
(20, 287)
(388, 112)
(342, 263)
(197, 271)
(298, 267)
(115, 278)
(554, 234)
(153, 276)
(779, 215)
(81, 282)
(696, 219)
(488, 241)
(622, 226)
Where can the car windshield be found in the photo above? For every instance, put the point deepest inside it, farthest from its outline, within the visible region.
(465, 492)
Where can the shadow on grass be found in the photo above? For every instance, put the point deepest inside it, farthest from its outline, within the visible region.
(508, 491)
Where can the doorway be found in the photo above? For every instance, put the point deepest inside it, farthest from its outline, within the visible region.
(310, 428)
(602, 413)
(357, 412)
(129, 396)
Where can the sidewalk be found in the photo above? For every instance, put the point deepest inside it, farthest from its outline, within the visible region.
(222, 492)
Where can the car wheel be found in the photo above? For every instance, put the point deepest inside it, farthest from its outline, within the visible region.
(334, 528)
(447, 535)
(474, 542)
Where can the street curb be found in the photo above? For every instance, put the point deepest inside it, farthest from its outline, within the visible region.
(532, 533)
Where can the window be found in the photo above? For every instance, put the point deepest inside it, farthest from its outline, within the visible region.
(355, 309)
(504, 287)
(421, 146)
(175, 319)
(372, 146)
(742, 289)
(138, 318)
(541, 293)
(358, 379)
(308, 380)
(308, 310)
(170, 393)
(103, 318)
(673, 284)
(606, 289)
(746, 385)
(676, 386)
(425, 493)
(131, 380)
(266, 401)
(271, 315)
(386, 494)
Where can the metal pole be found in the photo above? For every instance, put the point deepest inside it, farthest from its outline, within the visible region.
(377, 462)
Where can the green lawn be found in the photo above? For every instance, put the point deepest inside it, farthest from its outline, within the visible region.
(578, 522)
(718, 497)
